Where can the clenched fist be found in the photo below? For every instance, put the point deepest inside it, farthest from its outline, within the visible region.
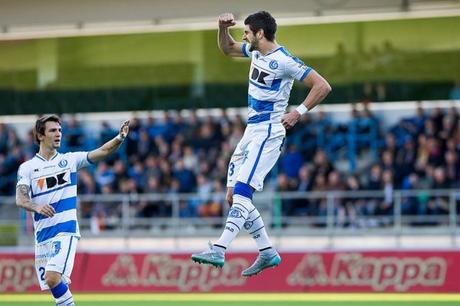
(226, 20)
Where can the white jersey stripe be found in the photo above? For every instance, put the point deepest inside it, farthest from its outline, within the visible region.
(62, 194)
(65, 215)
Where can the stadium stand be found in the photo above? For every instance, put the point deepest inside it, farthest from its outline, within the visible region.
(173, 154)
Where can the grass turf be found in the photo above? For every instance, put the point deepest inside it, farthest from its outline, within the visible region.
(238, 299)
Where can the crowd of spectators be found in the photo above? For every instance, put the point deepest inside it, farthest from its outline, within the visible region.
(176, 154)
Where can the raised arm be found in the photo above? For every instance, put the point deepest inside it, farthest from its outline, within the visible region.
(225, 41)
(110, 146)
(23, 200)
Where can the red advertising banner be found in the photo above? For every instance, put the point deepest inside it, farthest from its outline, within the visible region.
(413, 271)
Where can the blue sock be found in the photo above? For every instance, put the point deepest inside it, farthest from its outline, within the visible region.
(62, 294)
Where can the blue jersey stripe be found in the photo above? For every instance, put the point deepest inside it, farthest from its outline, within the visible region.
(275, 85)
(259, 154)
(39, 157)
(52, 231)
(60, 206)
(243, 49)
(73, 182)
(259, 118)
(304, 75)
(260, 105)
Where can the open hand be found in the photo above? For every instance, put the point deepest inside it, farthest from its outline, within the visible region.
(124, 129)
(46, 210)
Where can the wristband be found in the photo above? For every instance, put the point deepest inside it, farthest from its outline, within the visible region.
(120, 138)
(301, 109)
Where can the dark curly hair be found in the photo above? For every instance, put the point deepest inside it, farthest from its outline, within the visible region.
(262, 20)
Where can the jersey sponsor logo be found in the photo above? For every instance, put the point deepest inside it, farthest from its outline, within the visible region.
(273, 64)
(63, 163)
(261, 76)
(54, 180)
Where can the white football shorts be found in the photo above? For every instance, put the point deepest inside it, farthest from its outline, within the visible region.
(58, 255)
(256, 154)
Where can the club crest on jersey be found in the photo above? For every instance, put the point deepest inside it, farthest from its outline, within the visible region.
(63, 163)
(54, 180)
(273, 64)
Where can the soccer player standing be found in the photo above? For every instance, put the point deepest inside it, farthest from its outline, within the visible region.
(47, 186)
(271, 76)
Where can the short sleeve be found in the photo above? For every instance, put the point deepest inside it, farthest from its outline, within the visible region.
(23, 176)
(296, 69)
(245, 50)
(81, 159)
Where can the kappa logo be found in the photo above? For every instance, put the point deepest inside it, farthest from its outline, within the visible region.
(53, 181)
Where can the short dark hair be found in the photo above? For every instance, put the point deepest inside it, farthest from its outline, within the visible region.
(41, 123)
(262, 20)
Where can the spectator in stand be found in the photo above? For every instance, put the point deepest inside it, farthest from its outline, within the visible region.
(291, 161)
(285, 185)
(185, 177)
(405, 159)
(384, 208)
(104, 175)
(74, 135)
(106, 132)
(355, 208)
(435, 153)
(452, 167)
(145, 145)
(132, 141)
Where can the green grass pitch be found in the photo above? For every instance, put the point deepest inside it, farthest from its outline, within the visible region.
(239, 299)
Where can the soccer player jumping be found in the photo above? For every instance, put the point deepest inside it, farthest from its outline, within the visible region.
(47, 186)
(272, 73)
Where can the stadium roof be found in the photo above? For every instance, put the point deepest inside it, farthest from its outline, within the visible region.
(53, 18)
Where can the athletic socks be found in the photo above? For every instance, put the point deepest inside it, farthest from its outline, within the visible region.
(254, 225)
(62, 295)
(237, 216)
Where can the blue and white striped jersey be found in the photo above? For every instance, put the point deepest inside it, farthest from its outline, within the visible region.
(54, 182)
(270, 82)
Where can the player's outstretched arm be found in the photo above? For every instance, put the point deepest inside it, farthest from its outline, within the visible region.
(23, 200)
(226, 43)
(110, 146)
(320, 88)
